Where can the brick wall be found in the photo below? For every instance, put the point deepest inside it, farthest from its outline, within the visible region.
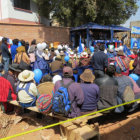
(39, 32)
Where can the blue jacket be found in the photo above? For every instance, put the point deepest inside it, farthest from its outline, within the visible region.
(41, 64)
(91, 97)
(5, 51)
(13, 51)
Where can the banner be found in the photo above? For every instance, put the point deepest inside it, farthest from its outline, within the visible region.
(135, 42)
(135, 30)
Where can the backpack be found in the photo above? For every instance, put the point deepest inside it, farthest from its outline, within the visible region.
(61, 102)
(27, 91)
(128, 94)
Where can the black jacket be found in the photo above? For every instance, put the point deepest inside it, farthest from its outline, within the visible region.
(108, 92)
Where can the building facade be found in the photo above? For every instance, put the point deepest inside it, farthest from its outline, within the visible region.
(20, 12)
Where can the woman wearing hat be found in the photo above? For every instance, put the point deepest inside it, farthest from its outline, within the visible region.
(91, 92)
(26, 89)
(123, 62)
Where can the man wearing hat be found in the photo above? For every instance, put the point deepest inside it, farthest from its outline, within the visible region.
(75, 92)
(8, 86)
(91, 92)
(12, 75)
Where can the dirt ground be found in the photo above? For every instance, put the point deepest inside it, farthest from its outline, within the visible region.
(29, 122)
(127, 128)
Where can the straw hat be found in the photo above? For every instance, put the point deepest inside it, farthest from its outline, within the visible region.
(26, 76)
(87, 76)
(120, 53)
(58, 57)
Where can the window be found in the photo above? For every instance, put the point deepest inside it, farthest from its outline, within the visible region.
(23, 4)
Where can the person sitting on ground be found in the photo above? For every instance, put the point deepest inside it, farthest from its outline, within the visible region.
(108, 87)
(46, 83)
(123, 83)
(91, 92)
(75, 92)
(14, 48)
(26, 89)
(99, 61)
(56, 65)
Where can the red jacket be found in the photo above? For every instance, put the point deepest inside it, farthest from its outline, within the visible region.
(6, 91)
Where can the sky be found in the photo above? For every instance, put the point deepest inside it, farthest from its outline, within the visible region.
(136, 17)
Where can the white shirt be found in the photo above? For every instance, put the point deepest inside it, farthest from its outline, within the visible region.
(23, 96)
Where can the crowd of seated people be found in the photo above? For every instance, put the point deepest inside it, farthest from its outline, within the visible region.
(71, 84)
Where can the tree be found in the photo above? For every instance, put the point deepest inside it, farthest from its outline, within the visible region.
(78, 12)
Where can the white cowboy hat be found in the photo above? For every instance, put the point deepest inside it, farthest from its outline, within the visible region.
(44, 45)
(39, 46)
(84, 54)
(26, 76)
(56, 78)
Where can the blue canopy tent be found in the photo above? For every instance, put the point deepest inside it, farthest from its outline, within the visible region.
(102, 28)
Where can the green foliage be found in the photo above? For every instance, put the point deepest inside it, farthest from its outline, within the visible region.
(78, 12)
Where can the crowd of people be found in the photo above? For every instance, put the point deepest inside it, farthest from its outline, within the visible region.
(67, 81)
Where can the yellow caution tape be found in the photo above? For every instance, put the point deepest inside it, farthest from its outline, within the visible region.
(69, 120)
